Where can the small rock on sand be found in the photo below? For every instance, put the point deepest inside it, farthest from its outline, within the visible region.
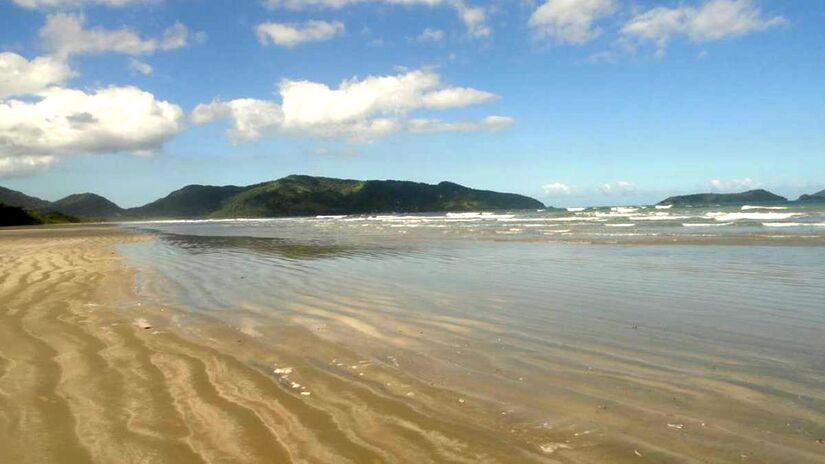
(550, 448)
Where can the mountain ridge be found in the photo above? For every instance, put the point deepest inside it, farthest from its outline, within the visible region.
(740, 198)
(818, 196)
(294, 195)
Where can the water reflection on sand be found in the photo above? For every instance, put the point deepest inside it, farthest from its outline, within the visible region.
(582, 353)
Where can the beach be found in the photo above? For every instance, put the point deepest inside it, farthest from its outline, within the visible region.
(104, 358)
(88, 374)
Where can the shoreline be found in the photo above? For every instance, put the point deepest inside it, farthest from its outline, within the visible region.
(90, 371)
(90, 374)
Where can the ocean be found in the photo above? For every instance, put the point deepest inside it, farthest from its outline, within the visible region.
(680, 334)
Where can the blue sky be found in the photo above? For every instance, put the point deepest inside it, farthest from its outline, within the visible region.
(574, 102)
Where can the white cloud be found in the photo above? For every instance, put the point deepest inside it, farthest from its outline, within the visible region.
(290, 35)
(358, 109)
(336, 4)
(570, 21)
(19, 76)
(712, 20)
(457, 97)
(137, 66)
(64, 35)
(732, 185)
(490, 123)
(64, 122)
(621, 187)
(556, 189)
(473, 17)
(24, 165)
(430, 35)
(63, 4)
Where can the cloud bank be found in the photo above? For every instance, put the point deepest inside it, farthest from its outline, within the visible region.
(358, 109)
(64, 122)
(290, 35)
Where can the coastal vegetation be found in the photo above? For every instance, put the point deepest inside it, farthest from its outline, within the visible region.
(290, 196)
(742, 198)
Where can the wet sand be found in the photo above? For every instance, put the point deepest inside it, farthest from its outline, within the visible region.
(91, 373)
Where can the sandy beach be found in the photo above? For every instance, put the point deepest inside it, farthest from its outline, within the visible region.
(92, 372)
(89, 374)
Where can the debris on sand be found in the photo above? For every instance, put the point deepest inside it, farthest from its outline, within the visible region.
(676, 426)
(550, 448)
(637, 453)
(283, 371)
(143, 324)
(306, 394)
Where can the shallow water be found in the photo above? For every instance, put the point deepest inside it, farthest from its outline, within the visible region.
(709, 348)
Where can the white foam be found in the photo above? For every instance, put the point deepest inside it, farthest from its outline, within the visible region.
(620, 225)
(726, 217)
(658, 217)
(749, 207)
(706, 224)
(664, 206)
(478, 215)
(793, 224)
(331, 217)
(624, 209)
(576, 219)
(575, 210)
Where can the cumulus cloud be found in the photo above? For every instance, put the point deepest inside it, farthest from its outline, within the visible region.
(732, 185)
(19, 76)
(64, 35)
(712, 20)
(473, 17)
(490, 123)
(570, 21)
(457, 97)
(556, 189)
(301, 4)
(24, 165)
(621, 187)
(290, 35)
(137, 66)
(58, 4)
(430, 35)
(358, 109)
(63, 122)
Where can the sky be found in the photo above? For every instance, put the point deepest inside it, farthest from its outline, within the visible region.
(573, 102)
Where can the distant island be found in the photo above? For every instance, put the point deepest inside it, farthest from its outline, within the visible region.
(818, 196)
(742, 198)
(294, 195)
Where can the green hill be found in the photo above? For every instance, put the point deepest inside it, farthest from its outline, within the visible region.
(290, 196)
(17, 216)
(700, 199)
(188, 202)
(306, 195)
(818, 196)
(10, 197)
(87, 205)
